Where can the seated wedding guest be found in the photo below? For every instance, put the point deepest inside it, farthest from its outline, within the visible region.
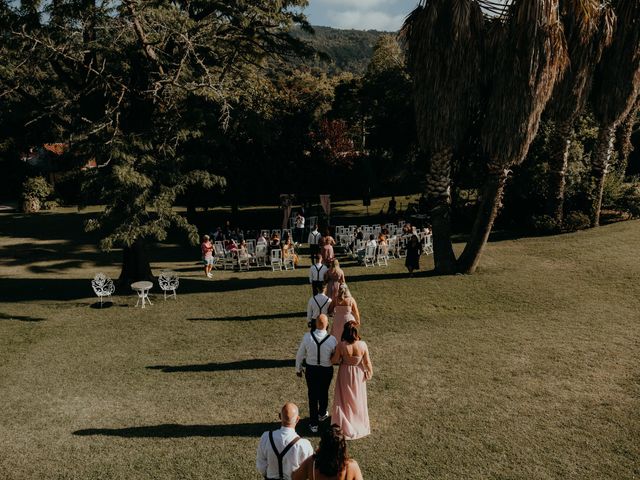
(289, 251)
(243, 252)
(274, 242)
(261, 240)
(350, 410)
(331, 461)
(317, 273)
(317, 305)
(219, 235)
(372, 241)
(282, 451)
(327, 251)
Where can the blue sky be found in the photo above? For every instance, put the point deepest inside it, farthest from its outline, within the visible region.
(360, 14)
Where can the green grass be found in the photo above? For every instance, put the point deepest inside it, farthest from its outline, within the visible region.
(527, 370)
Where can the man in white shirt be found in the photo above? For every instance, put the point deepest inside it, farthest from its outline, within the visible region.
(316, 350)
(372, 241)
(318, 305)
(282, 451)
(317, 273)
(314, 242)
(299, 228)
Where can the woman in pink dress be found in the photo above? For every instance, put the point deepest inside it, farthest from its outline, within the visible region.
(334, 278)
(350, 410)
(344, 309)
(327, 251)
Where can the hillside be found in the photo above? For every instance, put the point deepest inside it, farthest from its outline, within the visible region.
(348, 50)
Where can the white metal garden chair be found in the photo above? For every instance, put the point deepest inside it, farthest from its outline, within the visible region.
(102, 286)
(169, 283)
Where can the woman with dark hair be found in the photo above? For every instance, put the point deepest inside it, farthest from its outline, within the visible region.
(350, 411)
(413, 254)
(330, 462)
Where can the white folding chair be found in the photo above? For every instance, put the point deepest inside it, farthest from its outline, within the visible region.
(261, 255)
(276, 259)
(370, 256)
(383, 256)
(427, 249)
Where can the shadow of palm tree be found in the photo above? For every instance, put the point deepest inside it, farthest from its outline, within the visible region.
(252, 364)
(175, 430)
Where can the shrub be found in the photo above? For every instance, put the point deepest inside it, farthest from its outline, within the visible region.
(35, 191)
(576, 221)
(629, 199)
(544, 224)
(50, 205)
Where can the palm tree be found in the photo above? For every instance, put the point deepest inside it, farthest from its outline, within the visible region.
(505, 67)
(444, 44)
(528, 56)
(625, 131)
(588, 27)
(616, 87)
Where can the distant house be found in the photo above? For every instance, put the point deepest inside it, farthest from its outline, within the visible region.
(48, 160)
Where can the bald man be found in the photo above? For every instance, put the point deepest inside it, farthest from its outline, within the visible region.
(316, 349)
(281, 452)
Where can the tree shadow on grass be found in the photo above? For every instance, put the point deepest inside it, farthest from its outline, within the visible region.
(20, 318)
(252, 364)
(248, 318)
(175, 430)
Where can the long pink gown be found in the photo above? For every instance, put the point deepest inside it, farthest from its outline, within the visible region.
(350, 409)
(334, 280)
(341, 315)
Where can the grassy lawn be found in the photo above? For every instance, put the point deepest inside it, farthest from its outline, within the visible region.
(527, 370)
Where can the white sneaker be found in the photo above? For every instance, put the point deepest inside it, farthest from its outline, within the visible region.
(209, 275)
(313, 428)
(322, 418)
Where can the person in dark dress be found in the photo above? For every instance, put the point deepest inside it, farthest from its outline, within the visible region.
(413, 255)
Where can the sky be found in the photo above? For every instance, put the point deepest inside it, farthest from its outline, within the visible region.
(385, 15)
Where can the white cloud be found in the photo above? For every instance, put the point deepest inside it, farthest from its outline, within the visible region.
(353, 4)
(365, 20)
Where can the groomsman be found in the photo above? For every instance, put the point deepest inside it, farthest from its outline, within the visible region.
(281, 452)
(316, 350)
(314, 242)
(317, 305)
(317, 273)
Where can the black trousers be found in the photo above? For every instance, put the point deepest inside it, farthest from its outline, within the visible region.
(299, 235)
(313, 250)
(316, 287)
(318, 382)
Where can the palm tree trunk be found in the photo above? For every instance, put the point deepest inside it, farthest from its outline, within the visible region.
(490, 204)
(558, 163)
(599, 165)
(624, 146)
(439, 195)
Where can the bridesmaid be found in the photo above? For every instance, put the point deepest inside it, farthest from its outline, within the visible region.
(350, 410)
(327, 251)
(334, 278)
(344, 309)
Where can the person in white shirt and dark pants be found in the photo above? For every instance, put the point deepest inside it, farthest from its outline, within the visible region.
(299, 228)
(282, 451)
(314, 242)
(317, 305)
(316, 350)
(317, 273)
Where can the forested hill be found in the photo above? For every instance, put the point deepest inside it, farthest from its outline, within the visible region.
(349, 50)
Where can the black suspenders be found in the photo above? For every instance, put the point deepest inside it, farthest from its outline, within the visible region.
(280, 455)
(319, 344)
(318, 304)
(318, 270)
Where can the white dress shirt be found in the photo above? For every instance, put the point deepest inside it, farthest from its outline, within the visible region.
(266, 460)
(317, 272)
(309, 349)
(317, 305)
(314, 237)
(300, 222)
